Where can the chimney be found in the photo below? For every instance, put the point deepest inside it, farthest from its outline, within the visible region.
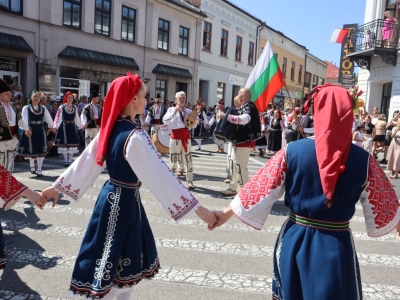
(195, 3)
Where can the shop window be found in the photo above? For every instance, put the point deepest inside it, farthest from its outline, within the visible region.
(207, 36)
(14, 6)
(300, 73)
(250, 59)
(220, 91)
(161, 87)
(183, 40)
(163, 35)
(102, 22)
(128, 24)
(284, 62)
(224, 43)
(292, 71)
(72, 13)
(78, 87)
(238, 53)
(314, 81)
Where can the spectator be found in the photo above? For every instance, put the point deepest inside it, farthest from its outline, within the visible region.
(388, 137)
(375, 115)
(358, 135)
(369, 134)
(356, 122)
(394, 152)
(166, 103)
(387, 29)
(18, 91)
(54, 109)
(379, 140)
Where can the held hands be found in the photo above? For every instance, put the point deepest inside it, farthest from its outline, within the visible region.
(222, 217)
(28, 133)
(207, 216)
(35, 198)
(49, 193)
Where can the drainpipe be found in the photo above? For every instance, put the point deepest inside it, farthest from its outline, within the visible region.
(145, 35)
(194, 65)
(305, 70)
(257, 36)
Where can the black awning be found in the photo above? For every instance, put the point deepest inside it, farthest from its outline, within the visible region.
(98, 57)
(173, 71)
(15, 42)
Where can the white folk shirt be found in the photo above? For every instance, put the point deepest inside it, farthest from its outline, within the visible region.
(24, 124)
(144, 161)
(59, 118)
(10, 114)
(157, 113)
(95, 114)
(174, 120)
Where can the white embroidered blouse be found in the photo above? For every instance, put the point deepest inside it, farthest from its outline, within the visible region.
(144, 160)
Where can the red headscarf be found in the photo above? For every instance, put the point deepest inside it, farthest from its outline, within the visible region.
(121, 92)
(333, 119)
(65, 96)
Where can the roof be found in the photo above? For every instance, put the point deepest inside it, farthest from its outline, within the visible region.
(310, 54)
(98, 57)
(15, 42)
(332, 72)
(188, 6)
(173, 71)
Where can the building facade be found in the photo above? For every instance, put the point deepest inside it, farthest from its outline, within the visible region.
(315, 72)
(61, 45)
(332, 73)
(227, 54)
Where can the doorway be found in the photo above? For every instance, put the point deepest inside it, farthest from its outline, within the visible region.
(182, 86)
(386, 96)
(99, 87)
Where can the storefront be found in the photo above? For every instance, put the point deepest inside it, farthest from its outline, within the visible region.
(10, 70)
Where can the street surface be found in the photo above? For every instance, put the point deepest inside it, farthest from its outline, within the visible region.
(232, 262)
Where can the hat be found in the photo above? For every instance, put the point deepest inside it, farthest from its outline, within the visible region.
(221, 102)
(4, 87)
(94, 94)
(158, 95)
(58, 98)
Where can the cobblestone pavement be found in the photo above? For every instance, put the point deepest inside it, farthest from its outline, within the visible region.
(233, 262)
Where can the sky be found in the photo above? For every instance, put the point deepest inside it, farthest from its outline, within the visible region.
(308, 22)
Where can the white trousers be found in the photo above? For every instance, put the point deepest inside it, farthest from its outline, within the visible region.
(154, 128)
(229, 161)
(238, 166)
(8, 151)
(178, 156)
(220, 143)
(90, 134)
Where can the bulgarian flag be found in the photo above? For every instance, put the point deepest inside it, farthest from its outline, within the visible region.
(338, 35)
(266, 79)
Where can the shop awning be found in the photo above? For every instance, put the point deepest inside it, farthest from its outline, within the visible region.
(15, 42)
(98, 57)
(173, 71)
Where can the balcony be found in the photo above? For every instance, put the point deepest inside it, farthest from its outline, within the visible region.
(372, 40)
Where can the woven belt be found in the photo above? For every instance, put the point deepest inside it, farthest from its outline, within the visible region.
(319, 224)
(69, 122)
(36, 122)
(274, 129)
(128, 185)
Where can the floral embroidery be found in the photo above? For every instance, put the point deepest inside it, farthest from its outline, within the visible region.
(10, 188)
(382, 196)
(268, 178)
(66, 189)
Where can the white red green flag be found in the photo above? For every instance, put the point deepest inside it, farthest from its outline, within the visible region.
(266, 79)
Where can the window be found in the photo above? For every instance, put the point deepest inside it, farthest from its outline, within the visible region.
(307, 79)
(72, 13)
(314, 81)
(102, 20)
(220, 91)
(284, 62)
(300, 73)
(292, 71)
(14, 6)
(183, 40)
(250, 59)
(163, 35)
(238, 53)
(161, 87)
(207, 36)
(224, 43)
(128, 27)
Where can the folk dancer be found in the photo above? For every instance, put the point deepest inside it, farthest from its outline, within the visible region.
(322, 179)
(33, 143)
(199, 131)
(295, 129)
(11, 191)
(245, 140)
(9, 118)
(67, 120)
(275, 135)
(261, 143)
(118, 249)
(91, 118)
(156, 114)
(215, 120)
(180, 144)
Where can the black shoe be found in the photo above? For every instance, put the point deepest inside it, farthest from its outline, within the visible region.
(65, 164)
(33, 170)
(383, 161)
(39, 173)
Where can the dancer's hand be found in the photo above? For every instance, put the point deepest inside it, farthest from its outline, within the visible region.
(28, 133)
(207, 216)
(222, 217)
(398, 231)
(35, 198)
(49, 193)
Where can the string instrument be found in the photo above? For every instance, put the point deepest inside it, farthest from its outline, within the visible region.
(190, 119)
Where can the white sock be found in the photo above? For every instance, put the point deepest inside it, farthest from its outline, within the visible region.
(65, 154)
(32, 162)
(39, 163)
(70, 157)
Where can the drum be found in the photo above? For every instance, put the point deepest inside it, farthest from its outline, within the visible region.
(161, 140)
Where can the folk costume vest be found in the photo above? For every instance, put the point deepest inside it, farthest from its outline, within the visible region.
(88, 112)
(5, 131)
(251, 131)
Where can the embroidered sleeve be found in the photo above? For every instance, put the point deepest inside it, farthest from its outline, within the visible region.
(58, 118)
(24, 122)
(169, 115)
(379, 202)
(47, 118)
(10, 189)
(206, 122)
(241, 120)
(283, 124)
(152, 171)
(83, 119)
(78, 120)
(81, 174)
(254, 201)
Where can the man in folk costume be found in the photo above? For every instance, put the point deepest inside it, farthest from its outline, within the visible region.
(180, 144)
(199, 132)
(156, 114)
(323, 178)
(215, 120)
(9, 118)
(91, 118)
(247, 132)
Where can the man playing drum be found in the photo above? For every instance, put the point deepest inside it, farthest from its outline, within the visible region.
(156, 114)
(180, 144)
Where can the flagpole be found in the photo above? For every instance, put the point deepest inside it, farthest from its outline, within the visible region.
(292, 106)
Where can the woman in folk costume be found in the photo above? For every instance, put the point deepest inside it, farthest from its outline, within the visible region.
(118, 249)
(199, 132)
(294, 126)
(11, 191)
(322, 178)
(275, 134)
(67, 120)
(33, 143)
(215, 120)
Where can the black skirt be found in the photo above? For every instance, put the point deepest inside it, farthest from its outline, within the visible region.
(275, 140)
